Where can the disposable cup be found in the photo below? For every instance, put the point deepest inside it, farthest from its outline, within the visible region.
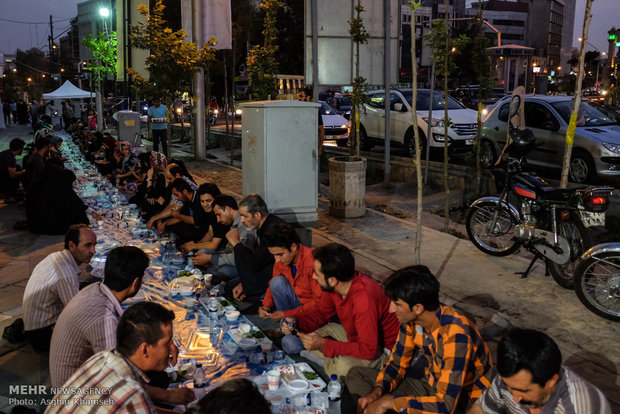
(273, 379)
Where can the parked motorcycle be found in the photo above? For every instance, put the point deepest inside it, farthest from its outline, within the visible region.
(597, 280)
(556, 225)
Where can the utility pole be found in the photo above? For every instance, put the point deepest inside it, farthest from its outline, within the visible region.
(50, 40)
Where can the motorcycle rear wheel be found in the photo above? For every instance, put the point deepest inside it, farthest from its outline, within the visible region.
(580, 239)
(597, 284)
(498, 241)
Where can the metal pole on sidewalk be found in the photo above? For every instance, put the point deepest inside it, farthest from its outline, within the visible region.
(200, 148)
(315, 50)
(387, 71)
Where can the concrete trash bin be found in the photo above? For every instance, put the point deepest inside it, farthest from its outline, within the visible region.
(347, 187)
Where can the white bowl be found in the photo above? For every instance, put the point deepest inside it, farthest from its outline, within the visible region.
(244, 327)
(298, 385)
(247, 344)
(232, 315)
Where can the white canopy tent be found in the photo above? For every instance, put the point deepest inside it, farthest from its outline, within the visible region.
(67, 91)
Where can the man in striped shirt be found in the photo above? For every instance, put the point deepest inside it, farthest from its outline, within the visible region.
(532, 380)
(113, 381)
(54, 281)
(87, 325)
(458, 362)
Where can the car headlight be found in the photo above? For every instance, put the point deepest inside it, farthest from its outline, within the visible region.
(612, 147)
(434, 122)
(238, 112)
(347, 125)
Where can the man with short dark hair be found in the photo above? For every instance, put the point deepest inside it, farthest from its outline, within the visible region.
(87, 324)
(144, 342)
(458, 365)
(222, 263)
(10, 172)
(292, 288)
(531, 380)
(366, 326)
(53, 283)
(158, 118)
(233, 397)
(254, 263)
(182, 221)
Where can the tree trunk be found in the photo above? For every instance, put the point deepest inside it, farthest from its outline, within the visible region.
(416, 134)
(572, 125)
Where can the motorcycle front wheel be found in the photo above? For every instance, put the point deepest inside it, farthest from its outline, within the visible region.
(597, 284)
(579, 239)
(490, 228)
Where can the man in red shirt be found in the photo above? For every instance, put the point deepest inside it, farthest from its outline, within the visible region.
(366, 326)
(292, 290)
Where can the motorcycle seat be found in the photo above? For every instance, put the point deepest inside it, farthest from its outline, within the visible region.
(560, 195)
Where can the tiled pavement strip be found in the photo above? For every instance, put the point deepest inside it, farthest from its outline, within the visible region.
(483, 285)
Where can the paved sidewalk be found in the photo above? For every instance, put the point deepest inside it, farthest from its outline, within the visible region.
(483, 285)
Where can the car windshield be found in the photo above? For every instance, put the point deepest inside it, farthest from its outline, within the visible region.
(586, 116)
(422, 100)
(327, 110)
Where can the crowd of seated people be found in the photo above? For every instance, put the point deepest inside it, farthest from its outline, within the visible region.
(394, 345)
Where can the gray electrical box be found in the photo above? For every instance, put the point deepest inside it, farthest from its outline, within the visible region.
(129, 127)
(280, 160)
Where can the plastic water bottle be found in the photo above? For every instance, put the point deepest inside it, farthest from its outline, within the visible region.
(334, 390)
(200, 379)
(212, 306)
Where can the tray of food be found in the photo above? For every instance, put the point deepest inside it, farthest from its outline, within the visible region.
(293, 376)
(183, 285)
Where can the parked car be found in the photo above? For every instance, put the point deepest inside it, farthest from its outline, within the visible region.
(468, 96)
(336, 127)
(461, 131)
(342, 104)
(596, 147)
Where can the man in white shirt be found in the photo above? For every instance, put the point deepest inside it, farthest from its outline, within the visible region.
(53, 283)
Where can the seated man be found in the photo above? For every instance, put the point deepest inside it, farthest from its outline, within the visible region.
(10, 172)
(88, 323)
(292, 290)
(182, 222)
(53, 283)
(459, 364)
(366, 326)
(532, 380)
(143, 343)
(222, 264)
(254, 262)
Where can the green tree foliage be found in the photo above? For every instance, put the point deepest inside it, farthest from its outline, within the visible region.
(262, 62)
(103, 48)
(359, 35)
(172, 61)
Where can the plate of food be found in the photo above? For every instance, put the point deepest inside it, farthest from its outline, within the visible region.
(183, 285)
(300, 372)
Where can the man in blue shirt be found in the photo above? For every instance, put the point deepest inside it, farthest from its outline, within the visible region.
(159, 125)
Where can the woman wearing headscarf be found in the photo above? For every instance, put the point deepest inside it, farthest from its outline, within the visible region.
(156, 195)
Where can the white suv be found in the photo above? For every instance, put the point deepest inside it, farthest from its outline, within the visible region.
(461, 132)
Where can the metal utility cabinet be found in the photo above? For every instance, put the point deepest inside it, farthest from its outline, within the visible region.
(279, 156)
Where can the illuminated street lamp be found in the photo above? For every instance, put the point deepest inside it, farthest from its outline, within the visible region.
(104, 12)
(29, 79)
